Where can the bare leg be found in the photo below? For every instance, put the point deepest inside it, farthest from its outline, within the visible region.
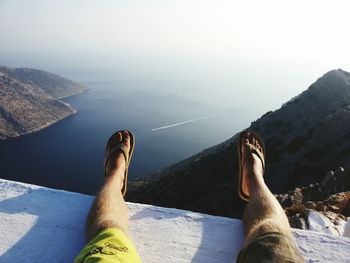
(263, 213)
(109, 208)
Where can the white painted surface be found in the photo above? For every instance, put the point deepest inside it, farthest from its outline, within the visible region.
(45, 225)
(320, 223)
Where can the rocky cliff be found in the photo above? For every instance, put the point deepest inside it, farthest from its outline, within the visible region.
(54, 85)
(29, 100)
(308, 136)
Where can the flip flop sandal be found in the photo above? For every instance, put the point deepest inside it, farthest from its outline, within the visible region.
(114, 146)
(241, 162)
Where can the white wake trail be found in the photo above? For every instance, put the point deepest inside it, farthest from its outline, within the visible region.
(187, 121)
(178, 124)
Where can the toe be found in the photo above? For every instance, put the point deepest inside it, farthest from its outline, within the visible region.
(119, 136)
(126, 138)
(125, 135)
(249, 137)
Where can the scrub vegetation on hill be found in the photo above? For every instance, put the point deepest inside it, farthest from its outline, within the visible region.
(305, 139)
(29, 100)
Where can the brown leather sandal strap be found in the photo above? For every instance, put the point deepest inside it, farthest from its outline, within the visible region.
(111, 153)
(116, 150)
(254, 151)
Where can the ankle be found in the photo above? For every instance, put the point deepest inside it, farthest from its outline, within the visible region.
(117, 174)
(256, 183)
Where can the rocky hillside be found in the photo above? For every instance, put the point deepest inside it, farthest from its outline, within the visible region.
(54, 85)
(29, 100)
(305, 138)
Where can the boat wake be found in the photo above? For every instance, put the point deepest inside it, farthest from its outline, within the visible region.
(188, 121)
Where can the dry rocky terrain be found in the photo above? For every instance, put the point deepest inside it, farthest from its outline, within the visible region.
(29, 100)
(306, 138)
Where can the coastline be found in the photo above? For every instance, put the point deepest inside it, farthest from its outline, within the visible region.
(72, 110)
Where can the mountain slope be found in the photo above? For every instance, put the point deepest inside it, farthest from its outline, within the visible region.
(26, 104)
(54, 85)
(306, 137)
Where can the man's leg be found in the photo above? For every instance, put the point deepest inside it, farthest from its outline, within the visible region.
(109, 208)
(107, 223)
(268, 233)
(263, 213)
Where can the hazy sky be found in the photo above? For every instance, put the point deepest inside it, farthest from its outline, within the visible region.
(222, 51)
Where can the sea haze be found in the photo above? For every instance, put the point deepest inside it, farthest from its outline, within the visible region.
(69, 154)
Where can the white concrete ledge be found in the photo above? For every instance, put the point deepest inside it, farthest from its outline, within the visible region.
(45, 225)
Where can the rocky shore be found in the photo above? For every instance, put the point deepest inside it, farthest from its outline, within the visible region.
(30, 100)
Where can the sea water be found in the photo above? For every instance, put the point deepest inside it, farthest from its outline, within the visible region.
(69, 154)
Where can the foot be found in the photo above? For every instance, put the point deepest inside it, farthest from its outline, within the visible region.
(253, 167)
(117, 161)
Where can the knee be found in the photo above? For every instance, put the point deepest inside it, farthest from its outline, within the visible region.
(93, 229)
(109, 223)
(268, 226)
(274, 226)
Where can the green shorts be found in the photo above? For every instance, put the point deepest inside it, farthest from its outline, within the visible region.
(270, 247)
(111, 245)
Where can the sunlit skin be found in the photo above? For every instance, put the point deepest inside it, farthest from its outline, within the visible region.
(263, 213)
(109, 208)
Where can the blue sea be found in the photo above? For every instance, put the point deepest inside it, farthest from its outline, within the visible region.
(168, 128)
